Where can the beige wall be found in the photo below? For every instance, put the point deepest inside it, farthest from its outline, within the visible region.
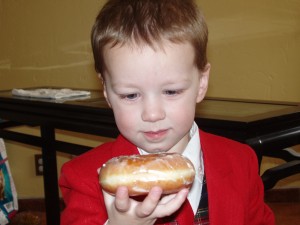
(254, 51)
(47, 43)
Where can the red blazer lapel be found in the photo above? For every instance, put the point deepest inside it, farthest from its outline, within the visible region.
(224, 205)
(185, 215)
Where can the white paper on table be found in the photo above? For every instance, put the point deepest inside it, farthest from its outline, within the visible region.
(49, 93)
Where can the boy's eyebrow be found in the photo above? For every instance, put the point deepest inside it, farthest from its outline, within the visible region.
(122, 84)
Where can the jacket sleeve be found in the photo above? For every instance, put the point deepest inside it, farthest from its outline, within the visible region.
(84, 204)
(259, 212)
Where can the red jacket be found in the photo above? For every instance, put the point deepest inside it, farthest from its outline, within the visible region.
(235, 190)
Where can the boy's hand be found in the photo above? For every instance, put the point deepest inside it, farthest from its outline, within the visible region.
(123, 210)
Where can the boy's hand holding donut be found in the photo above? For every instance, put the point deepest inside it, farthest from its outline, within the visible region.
(153, 175)
(123, 210)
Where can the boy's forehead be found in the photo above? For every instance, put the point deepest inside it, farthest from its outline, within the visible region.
(129, 59)
(158, 46)
(128, 56)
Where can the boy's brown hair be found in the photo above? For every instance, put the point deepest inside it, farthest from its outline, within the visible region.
(149, 22)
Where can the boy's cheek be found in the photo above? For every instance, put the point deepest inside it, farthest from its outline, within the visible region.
(126, 120)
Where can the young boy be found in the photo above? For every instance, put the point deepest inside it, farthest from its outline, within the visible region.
(151, 57)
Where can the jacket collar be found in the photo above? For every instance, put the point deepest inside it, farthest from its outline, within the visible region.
(223, 200)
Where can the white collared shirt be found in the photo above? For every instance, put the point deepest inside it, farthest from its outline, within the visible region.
(193, 152)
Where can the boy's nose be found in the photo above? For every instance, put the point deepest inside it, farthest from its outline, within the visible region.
(153, 111)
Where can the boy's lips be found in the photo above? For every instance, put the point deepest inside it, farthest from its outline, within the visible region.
(155, 135)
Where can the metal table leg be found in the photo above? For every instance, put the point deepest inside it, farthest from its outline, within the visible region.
(50, 176)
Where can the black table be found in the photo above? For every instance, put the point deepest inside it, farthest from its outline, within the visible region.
(268, 127)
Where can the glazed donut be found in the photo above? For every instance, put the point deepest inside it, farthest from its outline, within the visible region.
(139, 173)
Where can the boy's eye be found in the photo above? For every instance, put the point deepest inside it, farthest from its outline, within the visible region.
(172, 92)
(129, 96)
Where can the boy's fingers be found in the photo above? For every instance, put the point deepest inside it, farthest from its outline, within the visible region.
(150, 203)
(153, 205)
(122, 201)
(169, 206)
(108, 199)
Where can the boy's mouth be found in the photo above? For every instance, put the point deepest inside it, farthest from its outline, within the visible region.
(155, 135)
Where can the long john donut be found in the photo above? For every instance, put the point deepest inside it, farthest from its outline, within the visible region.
(140, 173)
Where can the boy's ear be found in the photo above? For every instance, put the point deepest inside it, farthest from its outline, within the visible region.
(203, 84)
(104, 89)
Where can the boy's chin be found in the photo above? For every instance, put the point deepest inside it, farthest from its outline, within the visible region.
(155, 150)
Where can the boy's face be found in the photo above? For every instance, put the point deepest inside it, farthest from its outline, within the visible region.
(153, 94)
